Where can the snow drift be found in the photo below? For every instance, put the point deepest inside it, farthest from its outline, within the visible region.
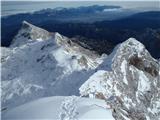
(62, 108)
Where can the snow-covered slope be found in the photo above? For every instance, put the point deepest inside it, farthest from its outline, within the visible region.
(132, 86)
(39, 63)
(62, 108)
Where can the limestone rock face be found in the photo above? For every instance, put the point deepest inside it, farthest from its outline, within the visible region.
(132, 86)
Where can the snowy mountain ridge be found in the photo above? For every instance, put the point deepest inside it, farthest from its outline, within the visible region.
(34, 68)
(40, 64)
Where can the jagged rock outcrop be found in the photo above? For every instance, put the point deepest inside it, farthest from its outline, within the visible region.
(40, 63)
(132, 86)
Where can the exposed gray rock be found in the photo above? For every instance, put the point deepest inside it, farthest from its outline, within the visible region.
(132, 87)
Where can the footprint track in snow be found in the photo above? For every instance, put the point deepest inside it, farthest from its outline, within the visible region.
(68, 109)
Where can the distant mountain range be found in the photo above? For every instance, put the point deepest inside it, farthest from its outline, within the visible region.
(94, 24)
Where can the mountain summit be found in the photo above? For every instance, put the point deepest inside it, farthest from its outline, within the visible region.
(131, 87)
(29, 33)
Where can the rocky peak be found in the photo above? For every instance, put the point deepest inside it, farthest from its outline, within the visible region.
(137, 56)
(30, 33)
(131, 88)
